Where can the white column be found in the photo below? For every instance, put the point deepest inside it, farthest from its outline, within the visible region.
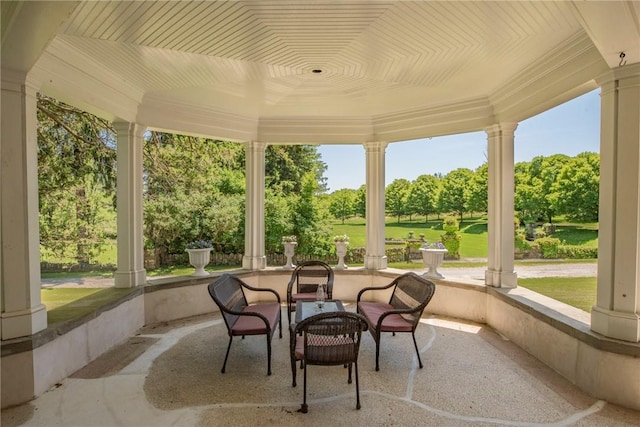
(617, 310)
(254, 256)
(130, 140)
(23, 313)
(375, 258)
(500, 272)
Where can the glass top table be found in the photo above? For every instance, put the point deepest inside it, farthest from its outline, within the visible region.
(306, 309)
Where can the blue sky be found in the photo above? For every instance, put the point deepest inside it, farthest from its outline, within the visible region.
(570, 128)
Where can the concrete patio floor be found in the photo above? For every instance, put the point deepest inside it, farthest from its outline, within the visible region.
(169, 375)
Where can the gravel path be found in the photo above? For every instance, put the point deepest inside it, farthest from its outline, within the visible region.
(476, 273)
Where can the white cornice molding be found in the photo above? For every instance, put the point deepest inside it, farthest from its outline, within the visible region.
(84, 84)
(460, 117)
(321, 130)
(551, 82)
(171, 116)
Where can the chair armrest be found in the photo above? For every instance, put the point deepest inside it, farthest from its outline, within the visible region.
(251, 288)
(292, 281)
(373, 288)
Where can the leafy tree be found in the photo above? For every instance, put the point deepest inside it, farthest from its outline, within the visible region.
(479, 189)
(396, 195)
(578, 186)
(423, 195)
(360, 207)
(342, 204)
(455, 191)
(309, 220)
(194, 190)
(286, 165)
(76, 179)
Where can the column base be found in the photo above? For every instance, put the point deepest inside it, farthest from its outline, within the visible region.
(23, 323)
(129, 279)
(616, 324)
(375, 262)
(501, 279)
(254, 263)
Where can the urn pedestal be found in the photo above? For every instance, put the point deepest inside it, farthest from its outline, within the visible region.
(289, 252)
(341, 251)
(432, 259)
(199, 258)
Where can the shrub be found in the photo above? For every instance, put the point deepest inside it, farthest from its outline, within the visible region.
(451, 238)
(577, 252)
(521, 242)
(548, 247)
(452, 243)
(539, 233)
(450, 225)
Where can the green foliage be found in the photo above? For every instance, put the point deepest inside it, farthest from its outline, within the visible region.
(76, 180)
(423, 196)
(360, 206)
(342, 203)
(479, 189)
(577, 188)
(577, 252)
(396, 195)
(548, 246)
(521, 242)
(452, 243)
(450, 225)
(454, 196)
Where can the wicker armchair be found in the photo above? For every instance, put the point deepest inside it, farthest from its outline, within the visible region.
(331, 338)
(240, 317)
(306, 277)
(411, 294)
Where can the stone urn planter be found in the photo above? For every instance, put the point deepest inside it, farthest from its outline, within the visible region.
(199, 258)
(289, 252)
(341, 243)
(432, 259)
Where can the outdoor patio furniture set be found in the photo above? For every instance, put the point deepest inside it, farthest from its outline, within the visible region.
(323, 332)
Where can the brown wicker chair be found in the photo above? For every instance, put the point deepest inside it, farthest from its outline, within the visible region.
(411, 294)
(241, 318)
(306, 277)
(331, 338)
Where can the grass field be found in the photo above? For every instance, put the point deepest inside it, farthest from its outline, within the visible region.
(579, 292)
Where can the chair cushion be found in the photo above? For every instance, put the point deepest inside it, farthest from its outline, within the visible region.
(324, 349)
(252, 325)
(308, 296)
(392, 323)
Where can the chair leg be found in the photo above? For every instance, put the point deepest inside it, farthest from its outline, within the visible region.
(224, 365)
(304, 408)
(415, 344)
(280, 323)
(357, 386)
(377, 339)
(269, 353)
(349, 380)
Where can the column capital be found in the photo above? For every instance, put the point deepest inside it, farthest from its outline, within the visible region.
(135, 129)
(375, 146)
(500, 128)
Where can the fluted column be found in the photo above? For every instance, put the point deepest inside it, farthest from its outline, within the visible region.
(254, 256)
(375, 258)
(500, 272)
(23, 313)
(617, 310)
(130, 206)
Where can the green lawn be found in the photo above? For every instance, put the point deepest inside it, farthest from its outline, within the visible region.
(579, 292)
(72, 303)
